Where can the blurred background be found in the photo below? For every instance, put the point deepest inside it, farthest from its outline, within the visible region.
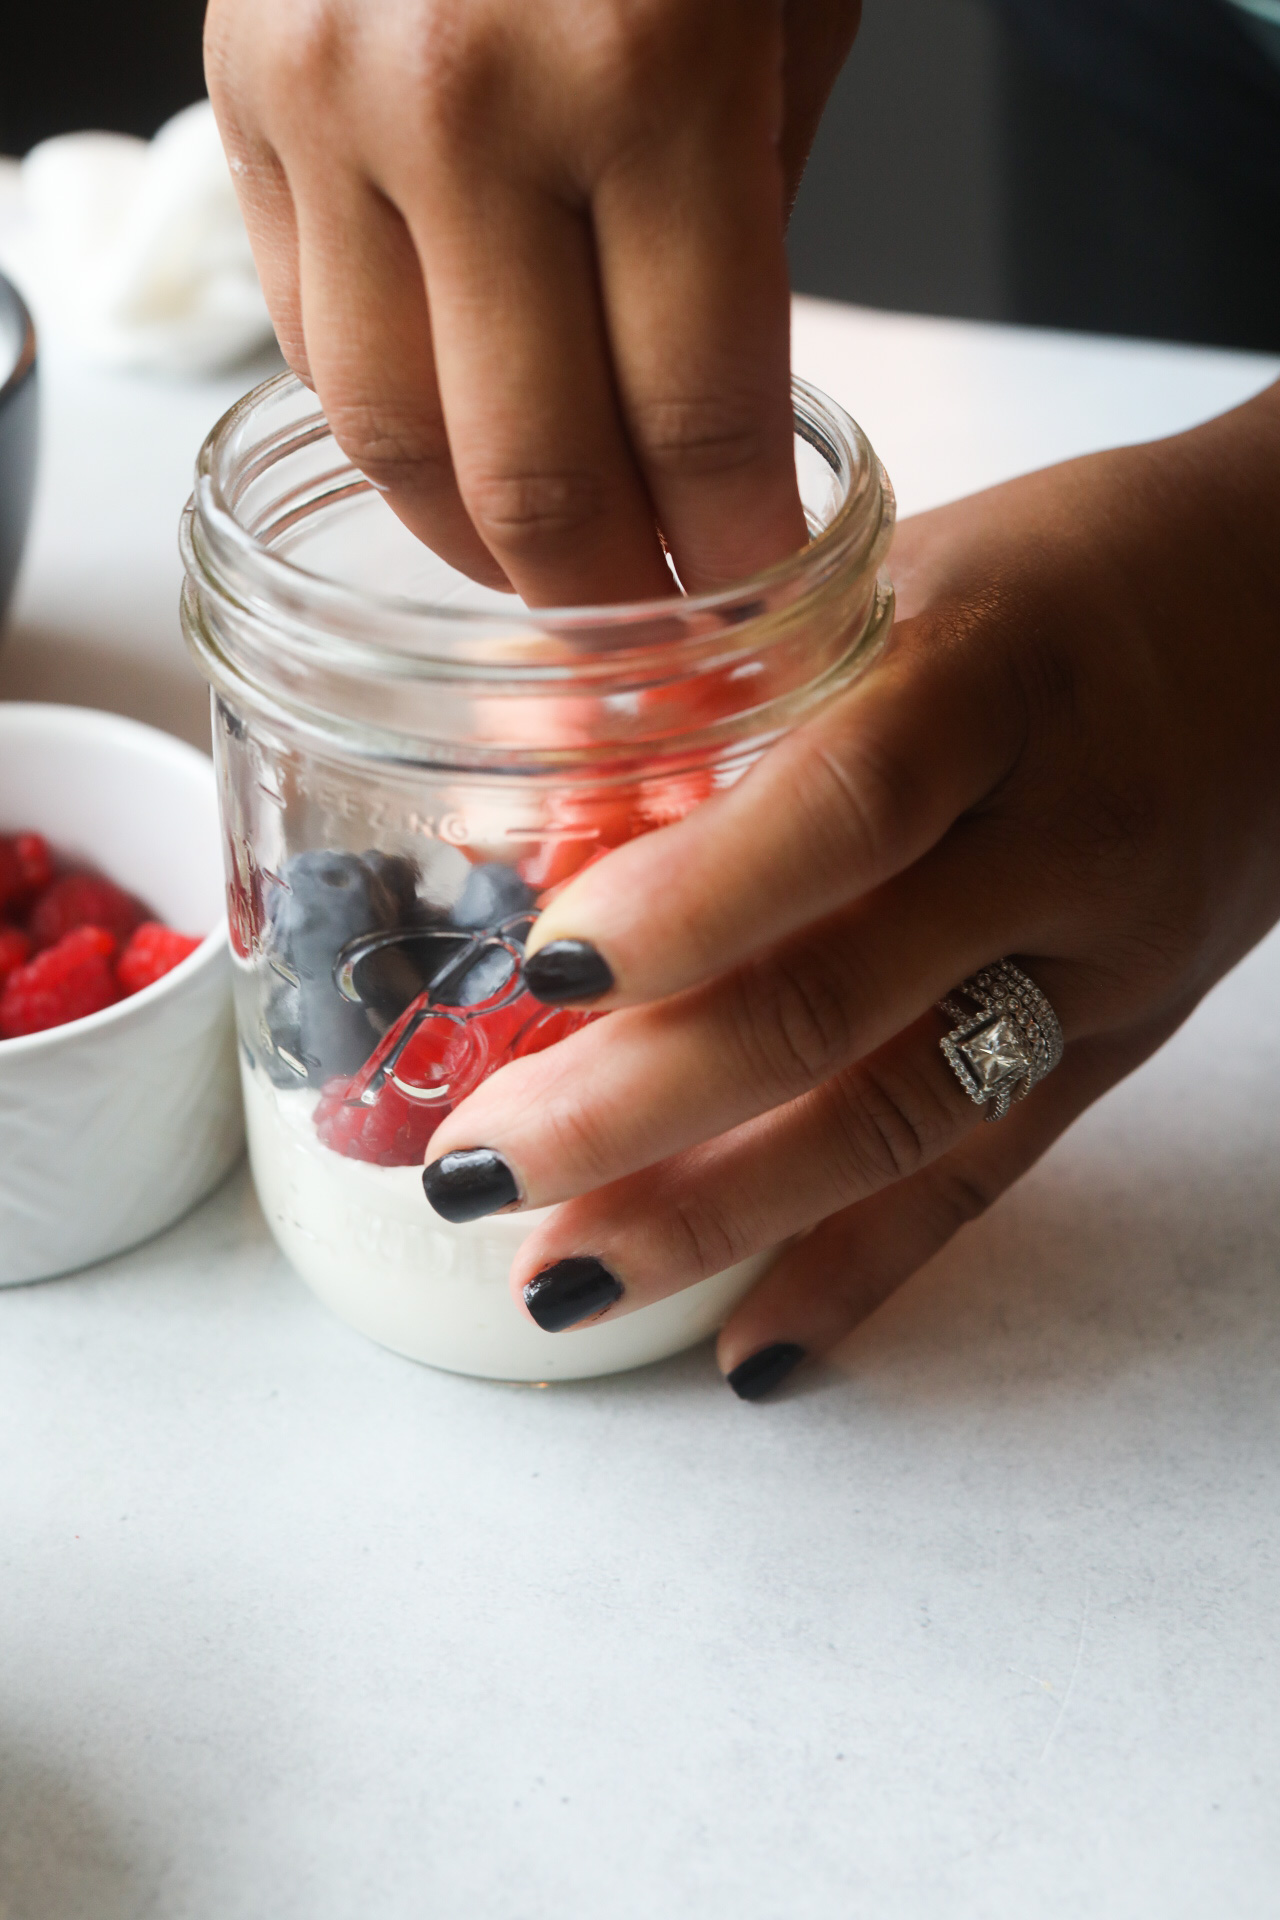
(1112, 165)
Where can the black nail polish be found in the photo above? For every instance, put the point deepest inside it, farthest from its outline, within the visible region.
(567, 970)
(761, 1372)
(467, 1185)
(570, 1291)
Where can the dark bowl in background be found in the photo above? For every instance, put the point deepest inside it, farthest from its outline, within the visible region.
(17, 432)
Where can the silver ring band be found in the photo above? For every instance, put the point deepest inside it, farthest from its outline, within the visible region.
(1005, 1040)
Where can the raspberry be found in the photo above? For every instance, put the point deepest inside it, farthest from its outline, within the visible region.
(447, 1051)
(152, 951)
(84, 900)
(15, 950)
(391, 1132)
(578, 826)
(548, 1026)
(26, 868)
(12, 883)
(65, 982)
(434, 1050)
(36, 862)
(664, 801)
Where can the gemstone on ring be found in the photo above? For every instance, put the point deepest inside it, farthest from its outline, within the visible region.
(996, 1055)
(1006, 1041)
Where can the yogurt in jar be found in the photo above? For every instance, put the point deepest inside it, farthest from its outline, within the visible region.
(366, 1241)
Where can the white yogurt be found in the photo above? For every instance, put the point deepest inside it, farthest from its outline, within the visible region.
(365, 1239)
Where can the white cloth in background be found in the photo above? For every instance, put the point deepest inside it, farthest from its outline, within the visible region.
(131, 252)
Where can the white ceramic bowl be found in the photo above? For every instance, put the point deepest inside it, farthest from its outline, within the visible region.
(113, 1126)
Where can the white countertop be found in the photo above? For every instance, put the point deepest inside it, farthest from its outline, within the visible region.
(979, 1621)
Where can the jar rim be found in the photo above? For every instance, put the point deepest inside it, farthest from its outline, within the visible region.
(231, 557)
(502, 687)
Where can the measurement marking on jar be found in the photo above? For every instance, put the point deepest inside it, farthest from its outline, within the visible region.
(545, 839)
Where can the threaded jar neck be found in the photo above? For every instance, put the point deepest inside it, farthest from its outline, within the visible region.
(307, 603)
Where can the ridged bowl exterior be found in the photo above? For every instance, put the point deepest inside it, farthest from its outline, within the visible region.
(114, 1126)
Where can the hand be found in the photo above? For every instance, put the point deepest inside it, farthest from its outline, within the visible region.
(530, 257)
(1069, 754)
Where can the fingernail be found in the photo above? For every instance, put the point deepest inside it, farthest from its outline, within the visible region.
(567, 970)
(762, 1372)
(570, 1291)
(467, 1185)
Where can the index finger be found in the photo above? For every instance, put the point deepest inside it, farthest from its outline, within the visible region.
(829, 813)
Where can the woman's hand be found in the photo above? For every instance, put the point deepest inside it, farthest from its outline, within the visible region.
(1070, 753)
(529, 254)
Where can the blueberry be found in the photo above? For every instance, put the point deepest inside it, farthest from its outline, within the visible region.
(492, 893)
(286, 1037)
(392, 973)
(487, 974)
(328, 900)
(400, 878)
(460, 970)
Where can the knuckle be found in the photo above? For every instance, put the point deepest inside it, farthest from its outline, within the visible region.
(957, 1196)
(1113, 825)
(391, 450)
(575, 1140)
(307, 53)
(693, 436)
(459, 75)
(626, 46)
(708, 1241)
(655, 63)
(892, 1123)
(793, 1020)
(524, 509)
(853, 804)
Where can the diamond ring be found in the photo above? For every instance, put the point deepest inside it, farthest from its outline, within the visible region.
(1005, 1040)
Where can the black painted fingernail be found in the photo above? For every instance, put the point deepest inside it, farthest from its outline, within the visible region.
(567, 970)
(570, 1291)
(762, 1372)
(467, 1185)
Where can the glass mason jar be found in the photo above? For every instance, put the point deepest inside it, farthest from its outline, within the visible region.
(408, 764)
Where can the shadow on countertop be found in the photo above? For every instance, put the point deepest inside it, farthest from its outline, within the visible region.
(37, 663)
(63, 1856)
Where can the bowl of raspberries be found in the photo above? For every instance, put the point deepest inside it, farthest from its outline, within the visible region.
(119, 1106)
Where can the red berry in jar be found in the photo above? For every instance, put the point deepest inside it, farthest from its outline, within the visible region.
(67, 981)
(387, 1130)
(548, 1025)
(579, 826)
